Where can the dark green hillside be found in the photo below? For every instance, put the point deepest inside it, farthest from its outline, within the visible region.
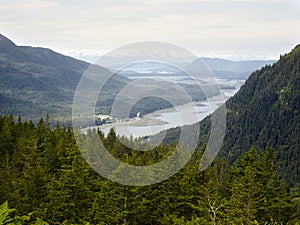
(37, 81)
(38, 56)
(265, 111)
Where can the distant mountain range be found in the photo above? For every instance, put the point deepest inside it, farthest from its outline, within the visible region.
(227, 69)
(221, 68)
(36, 81)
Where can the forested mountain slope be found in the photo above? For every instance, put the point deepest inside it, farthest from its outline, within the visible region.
(37, 81)
(266, 110)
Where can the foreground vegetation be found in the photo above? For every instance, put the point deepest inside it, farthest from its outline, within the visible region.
(44, 179)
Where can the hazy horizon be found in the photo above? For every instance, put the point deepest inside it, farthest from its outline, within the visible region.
(229, 29)
(93, 57)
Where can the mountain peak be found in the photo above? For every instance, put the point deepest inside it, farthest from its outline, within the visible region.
(297, 46)
(297, 49)
(5, 42)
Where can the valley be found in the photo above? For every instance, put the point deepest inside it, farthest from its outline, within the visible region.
(155, 122)
(54, 172)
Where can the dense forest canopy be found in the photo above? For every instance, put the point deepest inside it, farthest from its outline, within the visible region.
(44, 179)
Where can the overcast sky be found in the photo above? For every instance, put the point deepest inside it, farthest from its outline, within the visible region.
(230, 29)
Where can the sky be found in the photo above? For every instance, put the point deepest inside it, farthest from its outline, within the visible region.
(233, 29)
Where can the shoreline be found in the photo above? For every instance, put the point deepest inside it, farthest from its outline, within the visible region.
(152, 119)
